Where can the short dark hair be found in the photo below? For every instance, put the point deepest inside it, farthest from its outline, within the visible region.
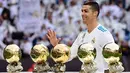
(94, 6)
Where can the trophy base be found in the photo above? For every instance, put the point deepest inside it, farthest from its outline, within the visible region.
(82, 71)
(116, 68)
(41, 68)
(14, 67)
(88, 68)
(59, 68)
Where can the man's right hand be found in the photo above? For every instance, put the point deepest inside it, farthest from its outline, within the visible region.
(51, 35)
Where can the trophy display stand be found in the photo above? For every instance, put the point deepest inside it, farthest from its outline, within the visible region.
(61, 54)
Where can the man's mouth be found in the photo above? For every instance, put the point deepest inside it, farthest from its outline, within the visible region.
(84, 18)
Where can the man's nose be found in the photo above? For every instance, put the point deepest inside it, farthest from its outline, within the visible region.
(83, 13)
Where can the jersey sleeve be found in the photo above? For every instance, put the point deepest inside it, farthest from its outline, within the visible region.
(75, 45)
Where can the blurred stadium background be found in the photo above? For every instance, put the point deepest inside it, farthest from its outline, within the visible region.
(25, 23)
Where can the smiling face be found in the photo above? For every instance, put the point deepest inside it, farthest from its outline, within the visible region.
(88, 14)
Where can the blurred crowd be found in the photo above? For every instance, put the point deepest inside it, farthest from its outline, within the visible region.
(64, 17)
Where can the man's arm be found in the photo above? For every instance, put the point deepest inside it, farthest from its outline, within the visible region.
(51, 35)
(75, 46)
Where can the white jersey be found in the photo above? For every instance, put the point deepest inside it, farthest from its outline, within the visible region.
(99, 37)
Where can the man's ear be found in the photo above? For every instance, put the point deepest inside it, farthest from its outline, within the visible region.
(95, 13)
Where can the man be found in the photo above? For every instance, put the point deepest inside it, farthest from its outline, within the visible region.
(96, 34)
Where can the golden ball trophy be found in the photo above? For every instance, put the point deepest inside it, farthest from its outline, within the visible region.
(86, 54)
(112, 56)
(12, 55)
(60, 54)
(39, 54)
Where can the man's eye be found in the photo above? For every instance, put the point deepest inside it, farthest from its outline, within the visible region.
(86, 11)
(81, 10)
